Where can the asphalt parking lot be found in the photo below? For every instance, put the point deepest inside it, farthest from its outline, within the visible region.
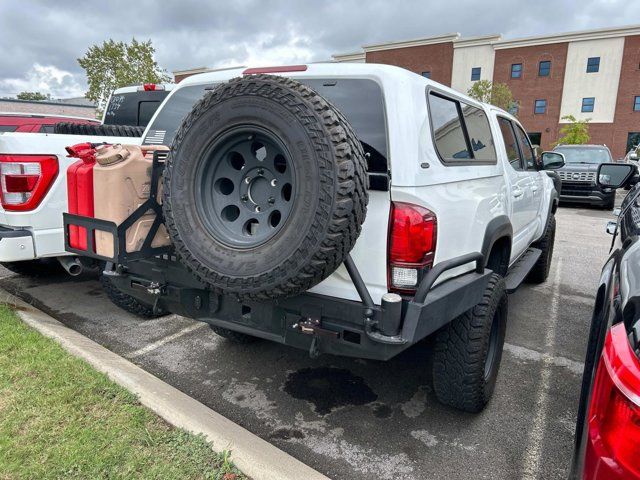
(361, 419)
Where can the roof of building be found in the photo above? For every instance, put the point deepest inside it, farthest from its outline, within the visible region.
(495, 40)
(47, 102)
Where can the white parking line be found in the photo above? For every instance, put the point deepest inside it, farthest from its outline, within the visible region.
(524, 353)
(533, 450)
(163, 341)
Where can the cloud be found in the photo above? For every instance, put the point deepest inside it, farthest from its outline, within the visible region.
(44, 79)
(193, 33)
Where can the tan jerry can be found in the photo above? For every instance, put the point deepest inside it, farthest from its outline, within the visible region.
(122, 182)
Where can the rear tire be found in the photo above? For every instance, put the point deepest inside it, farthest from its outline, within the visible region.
(264, 189)
(540, 270)
(129, 303)
(468, 351)
(236, 337)
(35, 268)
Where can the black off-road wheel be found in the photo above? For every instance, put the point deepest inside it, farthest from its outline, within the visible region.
(540, 270)
(232, 336)
(264, 188)
(467, 352)
(128, 303)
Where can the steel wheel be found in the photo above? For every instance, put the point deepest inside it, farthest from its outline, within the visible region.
(245, 188)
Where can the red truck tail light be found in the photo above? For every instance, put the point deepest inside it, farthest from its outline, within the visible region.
(150, 87)
(25, 180)
(613, 443)
(412, 245)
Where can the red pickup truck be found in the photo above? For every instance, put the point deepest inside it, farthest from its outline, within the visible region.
(37, 123)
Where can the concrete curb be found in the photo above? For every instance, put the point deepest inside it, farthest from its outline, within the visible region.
(253, 456)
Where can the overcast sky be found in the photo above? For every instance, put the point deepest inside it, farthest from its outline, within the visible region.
(41, 40)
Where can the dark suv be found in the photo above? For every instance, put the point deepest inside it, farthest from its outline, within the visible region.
(578, 176)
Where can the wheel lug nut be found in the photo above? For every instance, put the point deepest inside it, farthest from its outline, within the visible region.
(247, 180)
(274, 182)
(244, 198)
(260, 172)
(258, 209)
(272, 200)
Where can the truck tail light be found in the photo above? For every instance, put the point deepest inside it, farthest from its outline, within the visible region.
(412, 245)
(613, 441)
(25, 180)
(150, 87)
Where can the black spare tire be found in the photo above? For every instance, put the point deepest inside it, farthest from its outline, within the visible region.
(265, 188)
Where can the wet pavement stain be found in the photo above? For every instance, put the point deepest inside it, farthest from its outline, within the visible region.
(328, 388)
(286, 434)
(382, 411)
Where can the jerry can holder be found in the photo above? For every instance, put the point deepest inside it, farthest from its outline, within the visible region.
(119, 232)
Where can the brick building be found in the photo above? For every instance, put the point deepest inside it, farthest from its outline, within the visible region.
(591, 74)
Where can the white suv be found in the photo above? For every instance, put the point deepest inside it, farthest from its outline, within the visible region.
(346, 209)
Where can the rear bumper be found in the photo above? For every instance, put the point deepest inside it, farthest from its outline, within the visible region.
(343, 328)
(16, 245)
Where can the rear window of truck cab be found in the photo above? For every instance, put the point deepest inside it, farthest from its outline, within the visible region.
(360, 100)
(461, 132)
(133, 108)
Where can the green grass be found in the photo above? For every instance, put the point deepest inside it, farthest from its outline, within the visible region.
(59, 418)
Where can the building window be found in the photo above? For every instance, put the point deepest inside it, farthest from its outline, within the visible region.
(636, 104)
(426, 74)
(593, 64)
(588, 104)
(475, 73)
(540, 107)
(535, 137)
(544, 68)
(516, 70)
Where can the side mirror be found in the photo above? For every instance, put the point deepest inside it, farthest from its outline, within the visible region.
(614, 175)
(552, 160)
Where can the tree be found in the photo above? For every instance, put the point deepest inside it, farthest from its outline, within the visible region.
(117, 64)
(498, 94)
(574, 132)
(33, 96)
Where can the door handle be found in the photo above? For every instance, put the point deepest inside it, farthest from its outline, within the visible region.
(518, 193)
(534, 188)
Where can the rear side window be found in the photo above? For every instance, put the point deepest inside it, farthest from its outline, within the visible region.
(461, 132)
(46, 129)
(8, 128)
(146, 111)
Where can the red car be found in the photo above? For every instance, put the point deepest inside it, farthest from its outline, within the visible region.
(35, 122)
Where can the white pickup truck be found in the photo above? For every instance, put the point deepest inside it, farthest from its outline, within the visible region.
(345, 209)
(33, 186)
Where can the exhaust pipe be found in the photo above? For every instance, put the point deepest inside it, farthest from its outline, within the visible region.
(72, 265)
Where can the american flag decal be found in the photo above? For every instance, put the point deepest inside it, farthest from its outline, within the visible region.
(155, 137)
